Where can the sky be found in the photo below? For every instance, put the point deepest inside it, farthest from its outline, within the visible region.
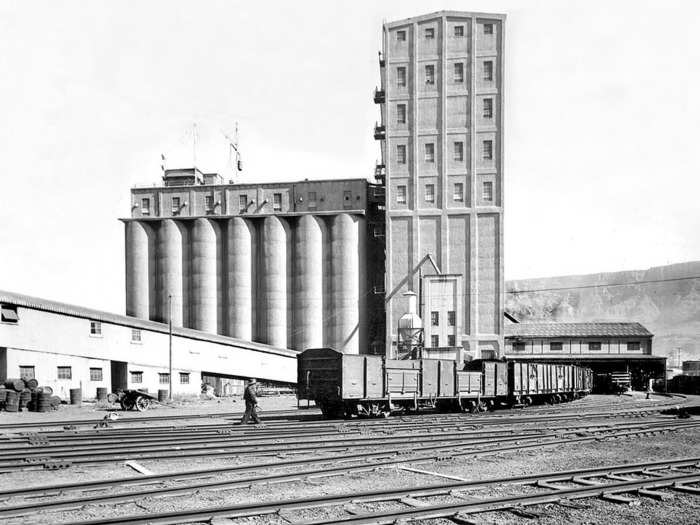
(601, 171)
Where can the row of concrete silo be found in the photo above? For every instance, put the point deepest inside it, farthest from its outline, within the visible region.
(289, 282)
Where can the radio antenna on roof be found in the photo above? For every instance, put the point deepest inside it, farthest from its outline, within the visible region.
(234, 151)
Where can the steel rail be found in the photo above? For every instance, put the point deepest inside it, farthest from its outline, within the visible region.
(268, 507)
(380, 462)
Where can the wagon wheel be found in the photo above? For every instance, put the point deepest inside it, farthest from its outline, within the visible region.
(142, 403)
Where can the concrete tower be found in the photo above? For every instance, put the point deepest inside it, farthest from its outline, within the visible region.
(441, 134)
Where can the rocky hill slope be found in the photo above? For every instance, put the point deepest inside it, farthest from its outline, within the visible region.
(665, 299)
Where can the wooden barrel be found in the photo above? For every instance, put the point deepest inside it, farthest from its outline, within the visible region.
(163, 395)
(14, 384)
(43, 402)
(25, 396)
(31, 383)
(12, 401)
(101, 393)
(3, 393)
(46, 389)
(76, 396)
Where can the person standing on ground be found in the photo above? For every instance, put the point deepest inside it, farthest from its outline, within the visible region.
(251, 402)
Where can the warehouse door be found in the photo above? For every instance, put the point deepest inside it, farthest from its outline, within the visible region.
(119, 375)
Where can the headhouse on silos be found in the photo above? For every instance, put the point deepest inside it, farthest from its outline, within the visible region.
(327, 263)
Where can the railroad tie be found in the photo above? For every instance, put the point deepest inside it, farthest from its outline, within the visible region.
(680, 487)
(618, 498)
(655, 494)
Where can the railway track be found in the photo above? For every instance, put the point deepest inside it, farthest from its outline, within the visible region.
(615, 482)
(121, 489)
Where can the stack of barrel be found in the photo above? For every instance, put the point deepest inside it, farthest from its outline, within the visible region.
(26, 394)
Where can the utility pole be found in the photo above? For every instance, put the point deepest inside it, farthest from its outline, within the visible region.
(170, 347)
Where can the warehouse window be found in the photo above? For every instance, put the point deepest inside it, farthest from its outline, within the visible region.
(64, 372)
(429, 32)
(518, 347)
(459, 151)
(487, 150)
(488, 70)
(312, 199)
(95, 374)
(184, 378)
(488, 191)
(430, 193)
(430, 152)
(594, 346)
(8, 313)
(401, 154)
(401, 194)
(451, 318)
(451, 340)
(277, 201)
(435, 341)
(634, 345)
(164, 378)
(556, 346)
(401, 76)
(95, 328)
(145, 206)
(242, 203)
(27, 372)
(488, 29)
(434, 318)
(208, 203)
(459, 31)
(135, 335)
(136, 377)
(459, 72)
(430, 74)
(458, 195)
(401, 113)
(176, 205)
(401, 36)
(488, 108)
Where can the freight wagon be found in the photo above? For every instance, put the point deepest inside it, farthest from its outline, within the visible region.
(343, 385)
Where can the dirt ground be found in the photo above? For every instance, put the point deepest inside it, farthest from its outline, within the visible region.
(679, 508)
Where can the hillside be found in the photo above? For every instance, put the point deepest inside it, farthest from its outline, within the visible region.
(665, 299)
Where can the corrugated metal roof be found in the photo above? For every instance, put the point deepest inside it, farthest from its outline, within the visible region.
(72, 310)
(553, 330)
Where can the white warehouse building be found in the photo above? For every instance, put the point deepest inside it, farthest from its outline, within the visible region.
(65, 346)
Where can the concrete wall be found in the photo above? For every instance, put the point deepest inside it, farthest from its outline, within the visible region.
(47, 340)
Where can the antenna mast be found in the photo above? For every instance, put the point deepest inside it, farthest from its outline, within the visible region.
(234, 149)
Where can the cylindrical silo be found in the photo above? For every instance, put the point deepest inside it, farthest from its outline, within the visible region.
(204, 275)
(241, 235)
(273, 282)
(345, 267)
(138, 281)
(172, 237)
(308, 283)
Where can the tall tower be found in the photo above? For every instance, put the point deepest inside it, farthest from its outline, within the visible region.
(441, 135)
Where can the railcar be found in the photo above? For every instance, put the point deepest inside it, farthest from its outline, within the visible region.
(343, 385)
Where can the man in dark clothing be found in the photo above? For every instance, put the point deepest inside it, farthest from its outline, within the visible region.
(251, 402)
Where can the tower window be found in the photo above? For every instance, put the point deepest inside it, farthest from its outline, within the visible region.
(430, 74)
(459, 151)
(459, 31)
(430, 152)
(401, 194)
(429, 32)
(488, 108)
(488, 70)
(488, 29)
(434, 318)
(277, 201)
(451, 340)
(401, 114)
(401, 76)
(208, 203)
(145, 206)
(487, 150)
(401, 154)
(175, 205)
(458, 195)
(312, 199)
(430, 193)
(95, 328)
(451, 318)
(488, 191)
(435, 341)
(459, 72)
(135, 335)
(242, 203)
(401, 36)
(8, 313)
